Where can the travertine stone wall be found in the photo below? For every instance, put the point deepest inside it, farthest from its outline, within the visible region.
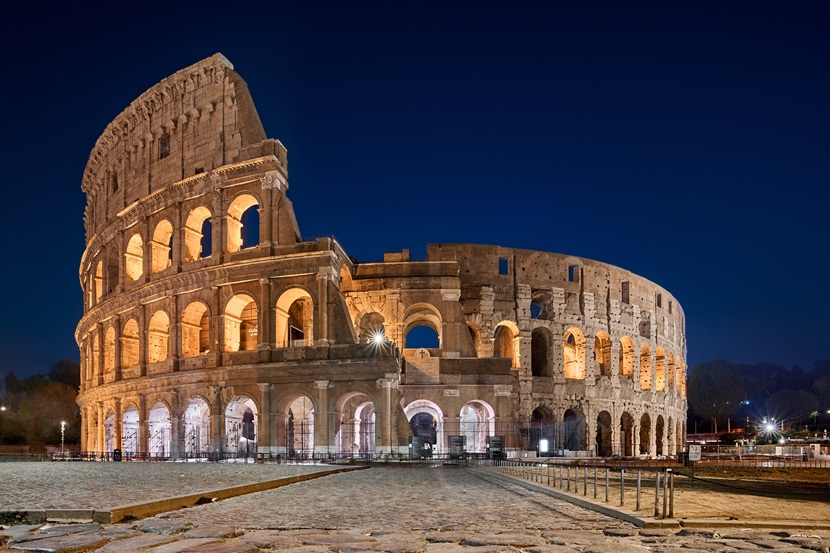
(199, 336)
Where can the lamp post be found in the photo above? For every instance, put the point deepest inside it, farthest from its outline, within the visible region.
(63, 429)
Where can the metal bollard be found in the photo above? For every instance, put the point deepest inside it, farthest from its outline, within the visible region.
(665, 492)
(595, 482)
(607, 480)
(656, 493)
(622, 487)
(637, 508)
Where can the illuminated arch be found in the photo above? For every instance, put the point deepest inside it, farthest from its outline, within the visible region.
(626, 357)
(195, 329)
(134, 259)
(660, 370)
(295, 318)
(241, 323)
(504, 342)
(574, 354)
(422, 314)
(602, 353)
(161, 246)
(645, 368)
(158, 337)
(197, 235)
(109, 350)
(238, 210)
(129, 344)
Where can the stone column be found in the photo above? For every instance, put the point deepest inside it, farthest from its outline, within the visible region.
(146, 251)
(118, 439)
(175, 425)
(264, 438)
(635, 428)
(591, 428)
(280, 436)
(178, 229)
(116, 324)
(99, 369)
(383, 418)
(143, 445)
(321, 333)
(322, 424)
(122, 267)
(142, 341)
(218, 240)
(652, 437)
(266, 313)
(101, 428)
(175, 349)
(217, 421)
(216, 327)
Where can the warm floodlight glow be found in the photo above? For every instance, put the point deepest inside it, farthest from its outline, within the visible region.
(543, 446)
(769, 428)
(377, 338)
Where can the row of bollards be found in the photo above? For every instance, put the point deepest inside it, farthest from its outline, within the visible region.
(545, 473)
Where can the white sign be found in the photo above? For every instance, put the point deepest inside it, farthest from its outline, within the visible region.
(694, 453)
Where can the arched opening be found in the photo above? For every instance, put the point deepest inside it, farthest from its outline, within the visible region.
(158, 337)
(645, 434)
(109, 432)
(627, 435)
(626, 357)
(129, 344)
(370, 326)
(295, 319)
(604, 432)
(196, 427)
(133, 260)
(645, 368)
(98, 281)
(477, 421)
(421, 336)
(602, 353)
(109, 350)
(574, 354)
(573, 430)
(422, 327)
(660, 371)
(112, 267)
(540, 340)
(243, 223)
(355, 436)
(129, 431)
(195, 330)
(300, 428)
(241, 427)
(159, 424)
(96, 355)
(161, 247)
(541, 433)
(660, 435)
(504, 343)
(197, 235)
(241, 317)
(475, 336)
(426, 420)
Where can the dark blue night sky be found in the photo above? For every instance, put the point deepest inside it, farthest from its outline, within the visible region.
(688, 142)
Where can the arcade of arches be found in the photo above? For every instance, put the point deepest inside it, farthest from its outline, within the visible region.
(211, 326)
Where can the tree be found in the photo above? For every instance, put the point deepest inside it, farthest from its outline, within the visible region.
(66, 371)
(41, 411)
(794, 405)
(715, 390)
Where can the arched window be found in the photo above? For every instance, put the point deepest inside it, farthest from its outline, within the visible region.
(158, 337)
(98, 282)
(370, 325)
(241, 318)
(195, 330)
(109, 350)
(670, 371)
(602, 353)
(129, 344)
(198, 242)
(504, 343)
(626, 357)
(243, 212)
(295, 319)
(574, 366)
(112, 267)
(161, 247)
(422, 326)
(134, 259)
(539, 349)
(660, 370)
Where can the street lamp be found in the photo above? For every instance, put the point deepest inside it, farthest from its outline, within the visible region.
(63, 429)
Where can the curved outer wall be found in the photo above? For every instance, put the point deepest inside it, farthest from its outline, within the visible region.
(211, 327)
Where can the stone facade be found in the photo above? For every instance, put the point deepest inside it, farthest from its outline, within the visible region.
(211, 326)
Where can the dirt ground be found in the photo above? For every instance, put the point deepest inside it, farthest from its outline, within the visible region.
(738, 493)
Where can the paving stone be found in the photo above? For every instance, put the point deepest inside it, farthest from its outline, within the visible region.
(135, 543)
(617, 547)
(270, 539)
(550, 549)
(226, 547)
(161, 526)
(72, 543)
(813, 544)
(185, 546)
(516, 540)
(401, 546)
(210, 531)
(456, 548)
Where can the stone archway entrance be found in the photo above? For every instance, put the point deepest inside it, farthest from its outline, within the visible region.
(196, 428)
(241, 427)
(604, 432)
(159, 424)
(427, 424)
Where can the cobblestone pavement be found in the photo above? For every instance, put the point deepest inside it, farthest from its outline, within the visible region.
(398, 510)
(80, 485)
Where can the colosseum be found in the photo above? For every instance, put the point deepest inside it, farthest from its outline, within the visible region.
(211, 328)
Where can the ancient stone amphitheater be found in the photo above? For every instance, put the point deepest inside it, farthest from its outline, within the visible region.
(211, 327)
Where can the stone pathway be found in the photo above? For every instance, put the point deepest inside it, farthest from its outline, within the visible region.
(398, 510)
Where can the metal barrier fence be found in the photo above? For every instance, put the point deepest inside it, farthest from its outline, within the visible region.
(631, 484)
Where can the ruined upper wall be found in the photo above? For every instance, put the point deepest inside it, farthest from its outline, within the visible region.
(194, 121)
